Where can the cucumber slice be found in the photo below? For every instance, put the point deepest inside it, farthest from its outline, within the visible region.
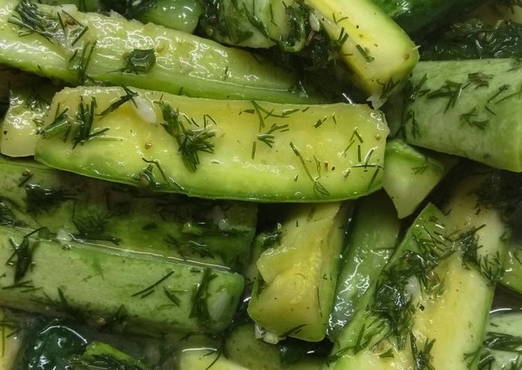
(361, 30)
(294, 292)
(446, 265)
(116, 51)
(109, 287)
(410, 176)
(76, 208)
(24, 119)
(372, 239)
(240, 150)
(10, 341)
(201, 359)
(468, 108)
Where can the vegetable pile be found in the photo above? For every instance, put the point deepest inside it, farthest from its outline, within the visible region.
(260, 184)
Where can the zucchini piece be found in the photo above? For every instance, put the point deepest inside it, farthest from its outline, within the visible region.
(410, 175)
(240, 150)
(419, 16)
(361, 30)
(445, 266)
(108, 286)
(294, 292)
(24, 119)
(202, 359)
(471, 111)
(245, 349)
(116, 51)
(475, 39)
(371, 241)
(76, 208)
(503, 343)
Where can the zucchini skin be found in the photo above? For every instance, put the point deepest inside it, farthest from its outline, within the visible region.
(240, 166)
(98, 283)
(217, 233)
(467, 108)
(367, 251)
(184, 64)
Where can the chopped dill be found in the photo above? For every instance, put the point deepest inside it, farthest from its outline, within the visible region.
(23, 253)
(268, 137)
(128, 96)
(318, 188)
(40, 199)
(450, 91)
(150, 289)
(199, 305)
(139, 61)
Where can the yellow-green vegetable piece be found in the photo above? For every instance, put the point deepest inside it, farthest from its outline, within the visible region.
(243, 150)
(378, 52)
(295, 289)
(63, 43)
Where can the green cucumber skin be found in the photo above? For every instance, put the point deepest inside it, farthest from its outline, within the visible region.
(276, 174)
(185, 64)
(437, 124)
(98, 281)
(368, 250)
(512, 278)
(421, 15)
(410, 175)
(207, 232)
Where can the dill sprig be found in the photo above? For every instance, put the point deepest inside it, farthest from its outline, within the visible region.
(139, 61)
(84, 123)
(422, 356)
(7, 216)
(192, 138)
(80, 60)
(450, 90)
(503, 342)
(40, 199)
(150, 289)
(128, 96)
(268, 137)
(23, 253)
(318, 188)
(30, 19)
(470, 119)
(92, 226)
(199, 298)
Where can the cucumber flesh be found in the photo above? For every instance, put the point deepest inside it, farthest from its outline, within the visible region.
(410, 175)
(294, 292)
(298, 153)
(467, 108)
(372, 238)
(512, 278)
(503, 342)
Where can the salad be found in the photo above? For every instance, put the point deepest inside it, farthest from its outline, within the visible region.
(260, 184)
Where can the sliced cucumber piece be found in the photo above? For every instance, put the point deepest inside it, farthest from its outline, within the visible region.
(512, 278)
(446, 265)
(361, 29)
(371, 242)
(410, 175)
(468, 108)
(108, 287)
(503, 344)
(76, 208)
(202, 359)
(116, 51)
(294, 292)
(235, 149)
